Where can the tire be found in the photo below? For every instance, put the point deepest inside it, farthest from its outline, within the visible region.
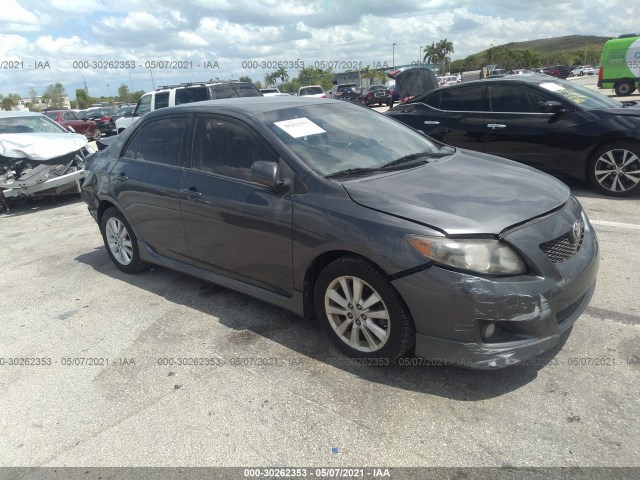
(625, 88)
(120, 241)
(614, 169)
(385, 329)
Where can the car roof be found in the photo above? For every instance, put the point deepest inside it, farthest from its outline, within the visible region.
(250, 105)
(15, 113)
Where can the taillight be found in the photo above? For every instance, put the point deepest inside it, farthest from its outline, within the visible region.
(104, 119)
(600, 73)
(323, 96)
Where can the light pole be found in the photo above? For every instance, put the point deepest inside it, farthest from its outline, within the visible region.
(419, 54)
(393, 61)
(491, 55)
(109, 89)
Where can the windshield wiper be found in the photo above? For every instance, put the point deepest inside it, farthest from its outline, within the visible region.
(415, 156)
(353, 171)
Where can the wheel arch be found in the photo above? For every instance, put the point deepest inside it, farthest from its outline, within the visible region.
(315, 267)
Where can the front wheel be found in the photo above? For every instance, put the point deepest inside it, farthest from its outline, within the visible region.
(361, 311)
(120, 241)
(625, 88)
(615, 169)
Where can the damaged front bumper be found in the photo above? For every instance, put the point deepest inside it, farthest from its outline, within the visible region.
(69, 180)
(526, 314)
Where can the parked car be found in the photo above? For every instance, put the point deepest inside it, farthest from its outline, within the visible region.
(101, 116)
(120, 112)
(39, 157)
(80, 124)
(550, 124)
(345, 91)
(581, 71)
(270, 91)
(563, 70)
(376, 95)
(170, 95)
(312, 91)
(390, 239)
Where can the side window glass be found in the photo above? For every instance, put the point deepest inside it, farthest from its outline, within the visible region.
(508, 98)
(162, 100)
(160, 141)
(226, 148)
(144, 106)
(462, 99)
(433, 101)
(191, 94)
(224, 90)
(132, 147)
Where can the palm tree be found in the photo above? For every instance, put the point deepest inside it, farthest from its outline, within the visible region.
(444, 48)
(282, 74)
(270, 79)
(430, 54)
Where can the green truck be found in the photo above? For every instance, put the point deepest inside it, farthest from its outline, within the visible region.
(620, 64)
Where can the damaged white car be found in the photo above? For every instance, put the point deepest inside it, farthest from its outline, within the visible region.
(39, 157)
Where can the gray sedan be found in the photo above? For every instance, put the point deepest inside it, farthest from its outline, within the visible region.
(394, 242)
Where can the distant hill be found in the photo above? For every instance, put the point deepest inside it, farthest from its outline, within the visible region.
(549, 46)
(567, 50)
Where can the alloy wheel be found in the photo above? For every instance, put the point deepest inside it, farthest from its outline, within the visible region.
(617, 170)
(119, 241)
(357, 314)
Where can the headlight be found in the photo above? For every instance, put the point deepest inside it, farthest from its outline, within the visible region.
(487, 256)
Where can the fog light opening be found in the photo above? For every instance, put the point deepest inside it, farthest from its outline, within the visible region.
(488, 330)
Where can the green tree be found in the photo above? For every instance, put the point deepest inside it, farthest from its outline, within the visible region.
(82, 98)
(258, 84)
(245, 78)
(55, 95)
(123, 93)
(282, 74)
(444, 48)
(270, 79)
(9, 101)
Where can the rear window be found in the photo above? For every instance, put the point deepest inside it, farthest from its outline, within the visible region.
(311, 91)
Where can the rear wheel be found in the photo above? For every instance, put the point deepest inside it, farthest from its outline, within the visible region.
(361, 311)
(615, 169)
(625, 88)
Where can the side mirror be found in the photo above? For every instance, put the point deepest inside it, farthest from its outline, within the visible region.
(267, 173)
(551, 107)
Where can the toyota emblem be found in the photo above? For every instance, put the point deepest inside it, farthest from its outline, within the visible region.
(577, 230)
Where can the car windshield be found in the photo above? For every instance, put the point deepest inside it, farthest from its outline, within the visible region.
(580, 95)
(335, 137)
(29, 124)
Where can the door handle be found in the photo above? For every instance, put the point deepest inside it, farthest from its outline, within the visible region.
(431, 122)
(496, 125)
(191, 192)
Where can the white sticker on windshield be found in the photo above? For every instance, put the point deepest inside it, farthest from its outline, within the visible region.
(299, 127)
(552, 87)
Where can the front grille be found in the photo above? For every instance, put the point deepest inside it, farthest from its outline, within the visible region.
(564, 247)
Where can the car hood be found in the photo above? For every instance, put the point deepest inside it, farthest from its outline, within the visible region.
(631, 110)
(466, 193)
(40, 146)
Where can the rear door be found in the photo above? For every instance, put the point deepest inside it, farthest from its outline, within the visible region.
(146, 184)
(235, 226)
(453, 115)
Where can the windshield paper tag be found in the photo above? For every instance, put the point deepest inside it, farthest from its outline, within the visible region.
(299, 127)
(553, 87)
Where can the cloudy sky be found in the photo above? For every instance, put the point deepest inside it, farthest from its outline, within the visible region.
(52, 40)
